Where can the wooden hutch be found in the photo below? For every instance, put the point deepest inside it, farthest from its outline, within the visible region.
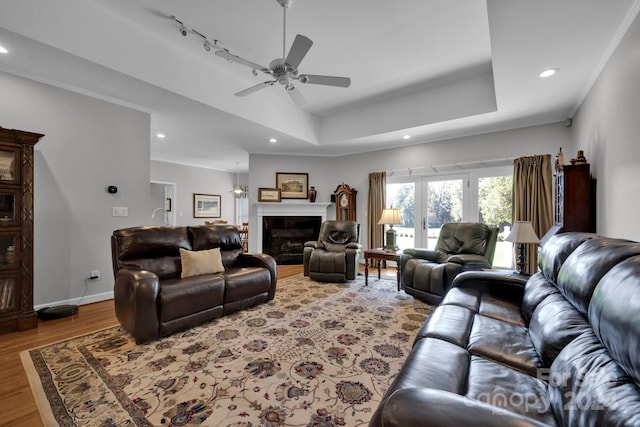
(574, 205)
(16, 230)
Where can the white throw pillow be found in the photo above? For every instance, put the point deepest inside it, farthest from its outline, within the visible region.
(197, 263)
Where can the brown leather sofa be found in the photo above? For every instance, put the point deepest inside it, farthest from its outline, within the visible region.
(564, 350)
(151, 298)
(334, 257)
(427, 274)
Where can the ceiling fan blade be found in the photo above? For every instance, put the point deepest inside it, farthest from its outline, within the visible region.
(299, 49)
(324, 80)
(234, 58)
(297, 97)
(255, 88)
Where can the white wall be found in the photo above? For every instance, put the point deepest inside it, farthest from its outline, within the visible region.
(88, 145)
(327, 173)
(607, 127)
(190, 180)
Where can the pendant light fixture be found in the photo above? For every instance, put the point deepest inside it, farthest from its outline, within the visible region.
(238, 191)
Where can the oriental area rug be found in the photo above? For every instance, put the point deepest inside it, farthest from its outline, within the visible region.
(319, 354)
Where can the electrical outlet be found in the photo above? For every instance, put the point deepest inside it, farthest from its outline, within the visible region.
(94, 275)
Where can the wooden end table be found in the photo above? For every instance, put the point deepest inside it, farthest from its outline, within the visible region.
(385, 255)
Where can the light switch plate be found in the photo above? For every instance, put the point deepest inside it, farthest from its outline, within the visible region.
(120, 211)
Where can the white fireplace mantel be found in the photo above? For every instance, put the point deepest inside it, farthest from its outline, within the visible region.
(300, 208)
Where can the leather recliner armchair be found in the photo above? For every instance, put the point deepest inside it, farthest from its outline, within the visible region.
(334, 257)
(427, 274)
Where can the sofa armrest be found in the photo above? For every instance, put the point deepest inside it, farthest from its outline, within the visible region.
(313, 244)
(503, 284)
(427, 254)
(353, 245)
(470, 261)
(426, 407)
(261, 260)
(135, 295)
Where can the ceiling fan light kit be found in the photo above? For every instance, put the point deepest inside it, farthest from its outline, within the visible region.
(282, 70)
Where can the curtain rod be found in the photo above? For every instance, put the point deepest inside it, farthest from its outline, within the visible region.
(433, 169)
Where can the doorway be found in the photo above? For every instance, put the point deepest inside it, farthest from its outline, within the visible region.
(162, 200)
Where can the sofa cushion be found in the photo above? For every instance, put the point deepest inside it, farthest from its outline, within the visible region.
(552, 256)
(225, 237)
(503, 343)
(588, 388)
(584, 268)
(505, 388)
(150, 248)
(469, 238)
(554, 324)
(435, 364)
(614, 314)
(322, 261)
(246, 282)
(198, 263)
(184, 297)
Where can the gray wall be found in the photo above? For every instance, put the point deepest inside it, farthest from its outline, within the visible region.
(88, 145)
(327, 173)
(190, 180)
(607, 127)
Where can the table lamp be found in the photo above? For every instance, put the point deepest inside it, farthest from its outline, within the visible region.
(522, 233)
(390, 217)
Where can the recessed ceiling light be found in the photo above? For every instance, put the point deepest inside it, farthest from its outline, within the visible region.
(406, 137)
(548, 72)
(3, 49)
(273, 140)
(161, 135)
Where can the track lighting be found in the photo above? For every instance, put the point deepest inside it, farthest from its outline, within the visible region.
(207, 46)
(254, 72)
(183, 30)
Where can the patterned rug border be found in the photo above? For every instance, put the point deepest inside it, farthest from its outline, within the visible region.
(32, 358)
(35, 383)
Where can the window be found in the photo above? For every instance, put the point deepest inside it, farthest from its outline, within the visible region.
(428, 202)
(402, 196)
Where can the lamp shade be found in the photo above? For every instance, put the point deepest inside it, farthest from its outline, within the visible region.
(390, 216)
(522, 232)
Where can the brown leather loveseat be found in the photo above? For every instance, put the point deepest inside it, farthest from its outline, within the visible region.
(564, 351)
(153, 300)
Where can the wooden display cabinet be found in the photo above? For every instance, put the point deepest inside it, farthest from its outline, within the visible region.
(575, 199)
(16, 230)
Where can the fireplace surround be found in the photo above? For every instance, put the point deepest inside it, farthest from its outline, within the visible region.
(287, 225)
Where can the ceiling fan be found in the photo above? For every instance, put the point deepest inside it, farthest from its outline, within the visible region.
(285, 70)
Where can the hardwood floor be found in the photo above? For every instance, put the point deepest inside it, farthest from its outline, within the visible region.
(17, 407)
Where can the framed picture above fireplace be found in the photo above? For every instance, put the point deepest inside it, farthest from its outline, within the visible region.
(206, 206)
(293, 185)
(269, 194)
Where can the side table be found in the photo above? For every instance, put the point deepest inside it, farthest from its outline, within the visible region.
(381, 254)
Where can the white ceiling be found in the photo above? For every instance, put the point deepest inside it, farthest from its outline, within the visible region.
(432, 69)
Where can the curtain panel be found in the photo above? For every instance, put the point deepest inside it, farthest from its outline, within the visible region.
(376, 203)
(533, 199)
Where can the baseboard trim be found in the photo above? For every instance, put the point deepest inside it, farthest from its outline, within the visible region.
(89, 299)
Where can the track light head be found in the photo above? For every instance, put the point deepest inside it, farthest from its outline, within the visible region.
(183, 30)
(254, 72)
(207, 46)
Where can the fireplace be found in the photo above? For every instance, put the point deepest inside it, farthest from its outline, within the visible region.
(283, 237)
(287, 240)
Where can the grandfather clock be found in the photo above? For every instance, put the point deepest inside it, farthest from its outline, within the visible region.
(345, 202)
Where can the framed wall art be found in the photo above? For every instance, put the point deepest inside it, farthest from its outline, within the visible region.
(206, 206)
(293, 185)
(269, 194)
